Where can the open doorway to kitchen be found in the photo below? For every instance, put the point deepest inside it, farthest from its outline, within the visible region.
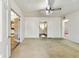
(43, 29)
(15, 30)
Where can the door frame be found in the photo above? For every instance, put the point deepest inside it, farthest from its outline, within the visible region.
(18, 31)
(19, 21)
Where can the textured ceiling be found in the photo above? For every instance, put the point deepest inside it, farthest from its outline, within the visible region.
(36, 7)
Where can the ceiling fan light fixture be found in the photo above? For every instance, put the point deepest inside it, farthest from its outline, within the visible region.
(51, 12)
(47, 12)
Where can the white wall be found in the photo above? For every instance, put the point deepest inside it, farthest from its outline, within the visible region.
(73, 25)
(4, 43)
(0, 27)
(0, 20)
(32, 26)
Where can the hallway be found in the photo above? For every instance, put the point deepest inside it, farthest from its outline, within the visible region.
(46, 48)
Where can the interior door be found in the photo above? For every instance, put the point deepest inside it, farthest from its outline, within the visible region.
(43, 29)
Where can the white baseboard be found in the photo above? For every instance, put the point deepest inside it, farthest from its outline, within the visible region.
(47, 38)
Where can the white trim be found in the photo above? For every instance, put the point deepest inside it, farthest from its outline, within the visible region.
(6, 20)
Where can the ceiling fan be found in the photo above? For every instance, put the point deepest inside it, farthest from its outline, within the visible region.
(49, 9)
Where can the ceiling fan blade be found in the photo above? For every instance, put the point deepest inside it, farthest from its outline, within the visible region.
(56, 9)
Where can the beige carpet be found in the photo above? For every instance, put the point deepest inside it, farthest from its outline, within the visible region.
(46, 48)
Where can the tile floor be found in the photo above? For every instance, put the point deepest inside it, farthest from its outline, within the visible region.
(46, 48)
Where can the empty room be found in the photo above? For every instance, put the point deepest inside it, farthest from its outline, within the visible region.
(39, 29)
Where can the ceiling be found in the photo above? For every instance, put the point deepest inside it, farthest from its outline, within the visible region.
(37, 7)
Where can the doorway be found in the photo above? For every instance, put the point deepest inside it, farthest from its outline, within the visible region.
(43, 29)
(15, 30)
